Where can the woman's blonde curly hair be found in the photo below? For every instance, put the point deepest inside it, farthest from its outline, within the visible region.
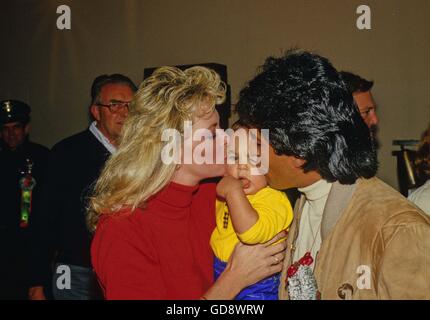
(165, 100)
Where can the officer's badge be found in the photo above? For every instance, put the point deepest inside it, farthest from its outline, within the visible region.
(27, 183)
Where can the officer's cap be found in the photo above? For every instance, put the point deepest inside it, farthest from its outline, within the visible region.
(14, 111)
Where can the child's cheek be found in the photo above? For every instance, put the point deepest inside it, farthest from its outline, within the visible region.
(259, 181)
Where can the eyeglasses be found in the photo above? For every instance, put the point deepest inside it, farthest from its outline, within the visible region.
(115, 105)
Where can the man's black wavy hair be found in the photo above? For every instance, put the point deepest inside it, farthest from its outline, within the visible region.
(302, 100)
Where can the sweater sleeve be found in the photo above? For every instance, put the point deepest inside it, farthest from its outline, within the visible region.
(274, 215)
(126, 264)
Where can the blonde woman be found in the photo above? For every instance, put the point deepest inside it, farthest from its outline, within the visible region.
(153, 219)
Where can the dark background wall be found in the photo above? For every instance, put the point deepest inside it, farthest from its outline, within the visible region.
(53, 69)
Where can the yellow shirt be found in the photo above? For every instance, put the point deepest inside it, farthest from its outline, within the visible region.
(274, 215)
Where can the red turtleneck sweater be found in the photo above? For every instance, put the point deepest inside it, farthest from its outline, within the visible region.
(160, 252)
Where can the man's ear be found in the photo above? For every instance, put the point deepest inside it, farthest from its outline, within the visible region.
(27, 129)
(95, 112)
(297, 162)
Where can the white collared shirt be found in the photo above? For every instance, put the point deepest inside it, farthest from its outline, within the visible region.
(100, 137)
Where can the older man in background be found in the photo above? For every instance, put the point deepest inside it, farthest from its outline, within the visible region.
(360, 89)
(61, 239)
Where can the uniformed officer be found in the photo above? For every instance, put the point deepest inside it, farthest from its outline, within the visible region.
(21, 165)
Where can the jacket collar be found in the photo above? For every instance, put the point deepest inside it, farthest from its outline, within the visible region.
(338, 199)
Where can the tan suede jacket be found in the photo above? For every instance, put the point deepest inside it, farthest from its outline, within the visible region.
(375, 245)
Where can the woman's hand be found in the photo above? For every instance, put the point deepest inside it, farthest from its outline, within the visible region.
(252, 263)
(248, 265)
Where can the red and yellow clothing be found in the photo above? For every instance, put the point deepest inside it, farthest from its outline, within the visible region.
(274, 215)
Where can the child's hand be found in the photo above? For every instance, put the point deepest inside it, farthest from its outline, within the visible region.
(228, 185)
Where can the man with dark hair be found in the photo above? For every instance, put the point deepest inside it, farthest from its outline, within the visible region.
(353, 237)
(360, 90)
(20, 161)
(61, 235)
